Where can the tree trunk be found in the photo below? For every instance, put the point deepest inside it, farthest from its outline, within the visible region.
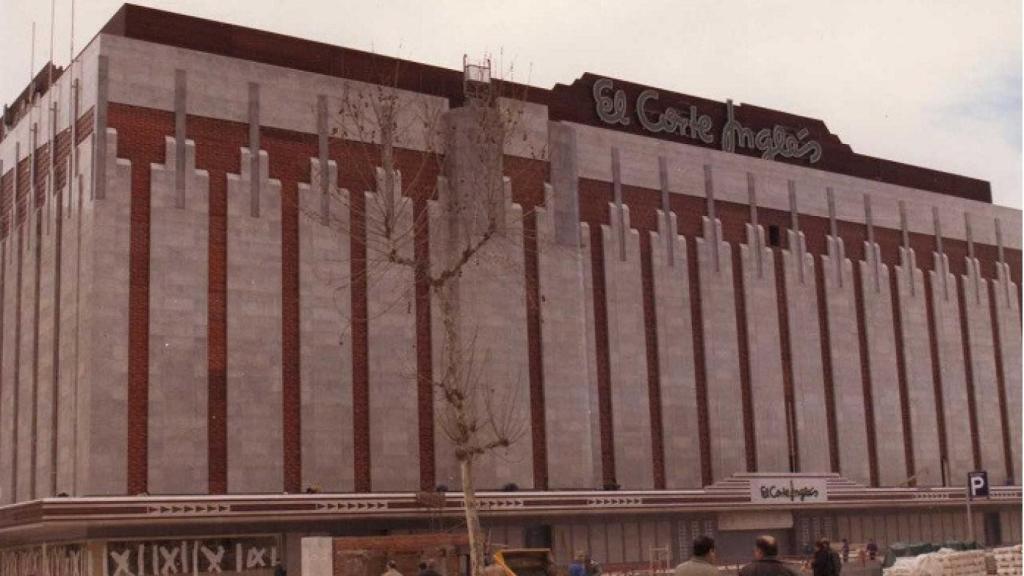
(476, 540)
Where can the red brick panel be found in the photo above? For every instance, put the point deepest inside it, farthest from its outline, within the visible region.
(140, 139)
(217, 152)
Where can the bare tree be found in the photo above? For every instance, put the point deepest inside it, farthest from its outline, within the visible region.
(477, 416)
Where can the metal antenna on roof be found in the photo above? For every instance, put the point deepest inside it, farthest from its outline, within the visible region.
(71, 54)
(32, 63)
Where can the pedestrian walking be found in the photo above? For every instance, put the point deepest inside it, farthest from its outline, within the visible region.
(392, 569)
(826, 561)
(702, 562)
(846, 550)
(427, 569)
(766, 560)
(579, 564)
(872, 550)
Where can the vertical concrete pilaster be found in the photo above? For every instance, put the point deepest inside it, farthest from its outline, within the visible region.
(721, 350)
(841, 307)
(178, 317)
(254, 317)
(805, 342)
(598, 434)
(565, 210)
(978, 316)
(917, 356)
(946, 322)
(102, 356)
(45, 423)
(885, 385)
(568, 390)
(391, 326)
(490, 309)
(678, 385)
(631, 412)
(7, 384)
(99, 132)
(325, 339)
(1007, 317)
(765, 352)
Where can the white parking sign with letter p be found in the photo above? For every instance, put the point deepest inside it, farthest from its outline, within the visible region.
(977, 484)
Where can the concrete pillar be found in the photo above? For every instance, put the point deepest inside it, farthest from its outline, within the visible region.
(946, 320)
(317, 556)
(25, 482)
(391, 311)
(489, 294)
(678, 384)
(568, 390)
(885, 384)
(596, 454)
(7, 412)
(978, 316)
(103, 331)
(765, 353)
(67, 430)
(254, 387)
(1007, 318)
(178, 289)
(805, 345)
(917, 361)
(45, 423)
(721, 352)
(631, 410)
(848, 387)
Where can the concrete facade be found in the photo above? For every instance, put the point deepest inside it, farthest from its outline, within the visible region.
(718, 303)
(563, 338)
(101, 462)
(627, 357)
(844, 347)
(805, 342)
(325, 339)
(764, 344)
(917, 358)
(880, 337)
(598, 427)
(955, 407)
(391, 319)
(978, 319)
(1004, 295)
(678, 383)
(254, 393)
(179, 272)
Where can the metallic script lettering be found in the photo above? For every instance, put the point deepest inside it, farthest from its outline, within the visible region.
(771, 142)
(777, 141)
(673, 121)
(610, 109)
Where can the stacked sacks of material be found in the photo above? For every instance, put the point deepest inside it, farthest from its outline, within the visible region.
(903, 566)
(1008, 560)
(945, 562)
(966, 563)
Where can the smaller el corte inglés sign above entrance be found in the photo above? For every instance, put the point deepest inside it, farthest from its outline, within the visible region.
(788, 490)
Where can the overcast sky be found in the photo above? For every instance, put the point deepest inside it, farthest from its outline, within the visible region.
(929, 82)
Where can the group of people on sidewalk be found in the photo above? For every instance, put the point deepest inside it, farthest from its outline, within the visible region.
(766, 560)
(826, 562)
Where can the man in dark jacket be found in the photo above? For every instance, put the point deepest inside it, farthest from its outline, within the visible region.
(826, 562)
(766, 560)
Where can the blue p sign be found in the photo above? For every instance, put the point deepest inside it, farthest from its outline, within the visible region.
(977, 484)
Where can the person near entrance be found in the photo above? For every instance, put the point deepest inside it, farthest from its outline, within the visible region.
(766, 560)
(826, 562)
(702, 563)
